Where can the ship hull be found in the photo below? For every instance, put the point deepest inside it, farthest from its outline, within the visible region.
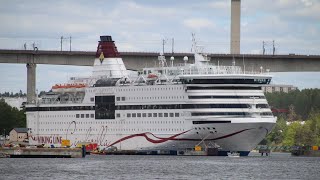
(241, 137)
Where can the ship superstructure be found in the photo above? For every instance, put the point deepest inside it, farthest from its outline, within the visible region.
(168, 107)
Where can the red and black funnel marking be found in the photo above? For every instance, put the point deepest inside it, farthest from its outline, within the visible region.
(107, 47)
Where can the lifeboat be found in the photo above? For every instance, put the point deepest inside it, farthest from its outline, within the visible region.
(59, 87)
(152, 76)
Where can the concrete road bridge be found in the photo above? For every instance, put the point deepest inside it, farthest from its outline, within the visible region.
(138, 60)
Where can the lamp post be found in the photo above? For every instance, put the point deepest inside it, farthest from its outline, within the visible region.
(65, 38)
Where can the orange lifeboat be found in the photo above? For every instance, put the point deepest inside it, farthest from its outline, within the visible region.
(67, 86)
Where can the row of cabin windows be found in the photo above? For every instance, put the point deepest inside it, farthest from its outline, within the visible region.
(150, 115)
(228, 114)
(222, 87)
(84, 115)
(220, 113)
(226, 81)
(60, 108)
(142, 98)
(55, 116)
(129, 107)
(159, 97)
(146, 89)
(266, 114)
(56, 123)
(114, 122)
(188, 106)
(226, 97)
(116, 129)
(152, 89)
(205, 128)
(121, 98)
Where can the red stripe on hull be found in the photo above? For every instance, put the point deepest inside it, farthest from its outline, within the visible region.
(172, 138)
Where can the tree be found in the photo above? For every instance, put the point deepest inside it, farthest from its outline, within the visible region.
(304, 135)
(277, 135)
(314, 121)
(290, 134)
(10, 117)
(292, 115)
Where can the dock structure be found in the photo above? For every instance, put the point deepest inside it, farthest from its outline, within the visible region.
(43, 152)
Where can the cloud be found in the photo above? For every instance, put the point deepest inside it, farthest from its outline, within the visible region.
(141, 26)
(198, 23)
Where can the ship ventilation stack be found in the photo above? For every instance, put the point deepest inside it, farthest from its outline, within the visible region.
(108, 62)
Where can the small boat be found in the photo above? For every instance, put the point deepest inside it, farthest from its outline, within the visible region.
(233, 154)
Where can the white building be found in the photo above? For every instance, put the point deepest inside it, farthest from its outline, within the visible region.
(18, 134)
(270, 88)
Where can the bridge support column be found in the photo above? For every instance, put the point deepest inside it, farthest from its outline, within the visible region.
(31, 83)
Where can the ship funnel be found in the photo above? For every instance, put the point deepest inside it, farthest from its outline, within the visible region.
(108, 62)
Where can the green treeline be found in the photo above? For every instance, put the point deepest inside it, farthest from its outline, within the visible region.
(10, 117)
(301, 125)
(301, 102)
(11, 94)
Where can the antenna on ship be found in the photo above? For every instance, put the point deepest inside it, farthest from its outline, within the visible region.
(172, 46)
(233, 61)
(194, 43)
(162, 60)
(172, 52)
(164, 41)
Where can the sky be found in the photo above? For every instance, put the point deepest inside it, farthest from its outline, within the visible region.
(141, 25)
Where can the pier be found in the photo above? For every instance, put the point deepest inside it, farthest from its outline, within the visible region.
(42, 152)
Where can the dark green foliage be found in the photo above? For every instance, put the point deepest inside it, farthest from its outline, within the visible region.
(304, 118)
(10, 117)
(303, 101)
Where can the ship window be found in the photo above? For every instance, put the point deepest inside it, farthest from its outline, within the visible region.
(134, 115)
(171, 114)
(262, 106)
(149, 114)
(92, 115)
(118, 98)
(155, 114)
(123, 98)
(138, 114)
(87, 115)
(160, 114)
(165, 114)
(92, 99)
(118, 115)
(176, 114)
(77, 115)
(105, 107)
(82, 115)
(144, 115)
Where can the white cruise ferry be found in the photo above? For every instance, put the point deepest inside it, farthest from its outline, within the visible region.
(168, 107)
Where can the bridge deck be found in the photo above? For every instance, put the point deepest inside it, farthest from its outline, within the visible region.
(137, 60)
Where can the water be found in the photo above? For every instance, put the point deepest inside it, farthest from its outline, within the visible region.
(95, 167)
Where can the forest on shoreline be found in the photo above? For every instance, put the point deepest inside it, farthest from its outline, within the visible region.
(301, 125)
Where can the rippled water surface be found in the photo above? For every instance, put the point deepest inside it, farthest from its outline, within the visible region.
(276, 166)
